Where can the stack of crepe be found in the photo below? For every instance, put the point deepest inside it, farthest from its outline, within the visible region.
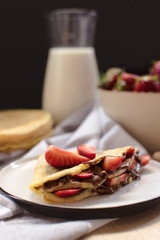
(23, 128)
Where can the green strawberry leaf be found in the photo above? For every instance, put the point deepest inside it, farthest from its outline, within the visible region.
(155, 78)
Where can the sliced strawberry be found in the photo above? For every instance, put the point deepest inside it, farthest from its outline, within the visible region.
(133, 163)
(130, 152)
(83, 175)
(87, 151)
(144, 159)
(60, 158)
(117, 180)
(67, 192)
(110, 163)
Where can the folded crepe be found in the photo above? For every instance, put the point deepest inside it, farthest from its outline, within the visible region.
(48, 180)
(23, 128)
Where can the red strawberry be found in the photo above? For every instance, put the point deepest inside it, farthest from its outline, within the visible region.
(60, 158)
(146, 83)
(127, 81)
(117, 180)
(83, 175)
(144, 159)
(132, 164)
(110, 163)
(87, 151)
(130, 152)
(155, 70)
(109, 79)
(67, 192)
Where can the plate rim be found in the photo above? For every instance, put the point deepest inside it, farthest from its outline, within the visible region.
(96, 213)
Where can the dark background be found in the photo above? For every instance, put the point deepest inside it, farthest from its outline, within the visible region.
(128, 35)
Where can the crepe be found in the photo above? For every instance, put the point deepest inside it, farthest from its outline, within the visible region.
(47, 179)
(23, 128)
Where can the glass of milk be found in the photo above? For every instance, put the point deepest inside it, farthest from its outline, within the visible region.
(72, 75)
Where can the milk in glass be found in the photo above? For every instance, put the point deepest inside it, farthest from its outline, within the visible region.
(71, 76)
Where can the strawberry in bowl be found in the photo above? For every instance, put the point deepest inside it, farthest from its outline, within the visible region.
(147, 83)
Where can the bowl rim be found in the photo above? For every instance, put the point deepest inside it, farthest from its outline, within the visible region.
(127, 92)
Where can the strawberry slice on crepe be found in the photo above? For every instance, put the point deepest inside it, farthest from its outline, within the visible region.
(57, 157)
(144, 159)
(110, 163)
(67, 192)
(87, 151)
(62, 176)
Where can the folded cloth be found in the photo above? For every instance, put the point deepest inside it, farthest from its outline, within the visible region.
(87, 126)
(92, 128)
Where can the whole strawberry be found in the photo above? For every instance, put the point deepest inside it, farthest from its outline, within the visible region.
(147, 83)
(126, 81)
(155, 70)
(109, 79)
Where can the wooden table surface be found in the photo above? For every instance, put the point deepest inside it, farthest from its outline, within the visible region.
(143, 226)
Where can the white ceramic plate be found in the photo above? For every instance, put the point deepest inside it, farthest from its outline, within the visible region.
(135, 197)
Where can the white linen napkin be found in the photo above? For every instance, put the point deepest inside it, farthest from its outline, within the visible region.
(88, 126)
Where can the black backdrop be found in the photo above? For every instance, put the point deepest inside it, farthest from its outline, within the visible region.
(128, 35)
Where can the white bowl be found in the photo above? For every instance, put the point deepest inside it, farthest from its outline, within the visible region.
(137, 112)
